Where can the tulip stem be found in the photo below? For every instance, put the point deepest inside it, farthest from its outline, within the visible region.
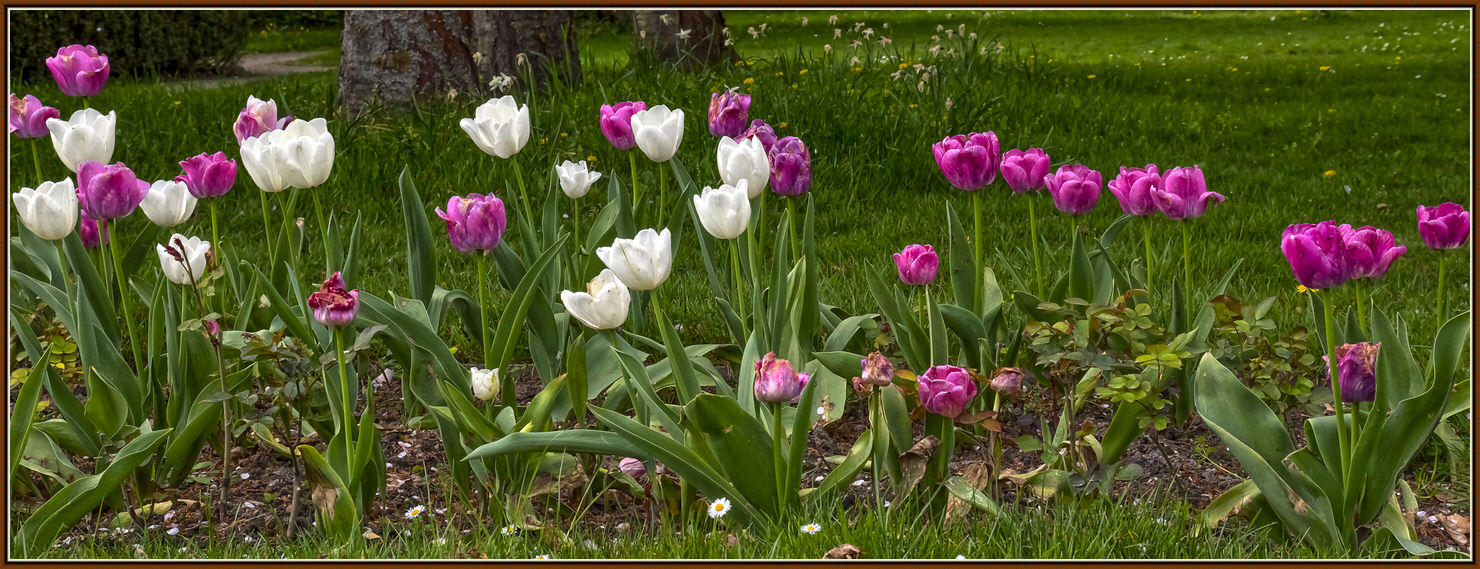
(267, 233)
(1439, 324)
(662, 195)
(344, 394)
(36, 159)
(1332, 364)
(1361, 304)
(1146, 238)
(62, 268)
(632, 161)
(977, 205)
(735, 271)
(123, 303)
(778, 440)
(484, 309)
(1037, 258)
(318, 214)
(791, 222)
(1187, 275)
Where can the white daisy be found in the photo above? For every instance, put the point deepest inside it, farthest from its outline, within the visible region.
(811, 529)
(509, 530)
(719, 508)
(542, 556)
(415, 512)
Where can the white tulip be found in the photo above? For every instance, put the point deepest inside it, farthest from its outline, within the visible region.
(50, 210)
(744, 160)
(658, 132)
(604, 304)
(168, 203)
(88, 135)
(500, 127)
(189, 270)
(575, 178)
(300, 155)
(485, 383)
(642, 262)
(724, 211)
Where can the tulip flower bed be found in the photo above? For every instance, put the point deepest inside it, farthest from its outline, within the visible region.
(535, 321)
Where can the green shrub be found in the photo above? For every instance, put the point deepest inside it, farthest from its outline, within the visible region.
(138, 42)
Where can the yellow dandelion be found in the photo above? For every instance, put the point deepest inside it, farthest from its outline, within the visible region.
(793, 85)
(1325, 68)
(748, 80)
(903, 65)
(780, 73)
(1301, 289)
(591, 158)
(1330, 173)
(802, 72)
(781, 124)
(1091, 76)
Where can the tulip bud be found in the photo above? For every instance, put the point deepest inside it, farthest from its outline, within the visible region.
(632, 467)
(183, 260)
(969, 161)
(475, 222)
(1133, 188)
(485, 383)
(257, 118)
(108, 191)
(917, 264)
(332, 305)
(500, 127)
(50, 210)
(1183, 194)
(1369, 251)
(1317, 254)
(1444, 226)
(79, 70)
(168, 203)
(791, 167)
(86, 136)
(658, 132)
(643, 262)
(208, 175)
(575, 178)
(1357, 364)
(761, 131)
(616, 123)
(877, 371)
(727, 113)
(744, 160)
(300, 155)
(946, 390)
(93, 232)
(28, 116)
(1024, 170)
(776, 380)
(604, 304)
(724, 211)
(1075, 188)
(1008, 381)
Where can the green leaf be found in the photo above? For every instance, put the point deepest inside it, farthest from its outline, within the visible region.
(514, 314)
(688, 385)
(844, 332)
(572, 441)
(84, 495)
(1232, 501)
(740, 443)
(962, 489)
(847, 472)
(420, 256)
(342, 519)
(962, 265)
(575, 376)
(1081, 275)
(24, 409)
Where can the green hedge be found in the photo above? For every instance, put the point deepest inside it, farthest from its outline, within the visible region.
(139, 43)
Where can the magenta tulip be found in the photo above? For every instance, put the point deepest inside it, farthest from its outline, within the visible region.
(946, 390)
(1183, 194)
(616, 123)
(917, 264)
(1317, 254)
(1357, 364)
(1075, 188)
(969, 161)
(79, 70)
(1024, 170)
(762, 131)
(108, 191)
(1369, 251)
(1133, 189)
(776, 380)
(28, 117)
(475, 222)
(92, 232)
(727, 113)
(258, 117)
(333, 305)
(1444, 226)
(791, 167)
(208, 175)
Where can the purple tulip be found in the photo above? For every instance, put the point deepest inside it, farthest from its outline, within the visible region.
(1133, 188)
(917, 264)
(616, 123)
(1369, 251)
(257, 118)
(1183, 193)
(776, 380)
(80, 71)
(92, 232)
(969, 161)
(108, 191)
(791, 167)
(727, 113)
(802, 379)
(1008, 381)
(759, 129)
(1444, 226)
(1024, 170)
(28, 116)
(333, 305)
(1358, 366)
(1075, 188)
(632, 467)
(208, 175)
(946, 390)
(877, 371)
(475, 222)
(1317, 254)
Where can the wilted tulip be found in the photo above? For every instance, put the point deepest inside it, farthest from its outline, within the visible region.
(474, 222)
(946, 390)
(500, 127)
(575, 178)
(108, 191)
(727, 113)
(1133, 188)
(1075, 188)
(1317, 254)
(1183, 193)
(877, 371)
(776, 380)
(92, 231)
(80, 71)
(1008, 381)
(28, 116)
(761, 131)
(183, 260)
(744, 160)
(333, 305)
(632, 467)
(87, 135)
(969, 161)
(300, 155)
(208, 175)
(1444, 226)
(1357, 367)
(658, 132)
(643, 262)
(917, 264)
(724, 211)
(1369, 251)
(791, 167)
(1023, 170)
(257, 118)
(168, 203)
(604, 304)
(616, 123)
(485, 383)
(50, 210)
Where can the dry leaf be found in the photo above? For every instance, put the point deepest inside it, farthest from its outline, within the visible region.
(731, 540)
(844, 551)
(979, 475)
(1458, 528)
(324, 497)
(913, 462)
(371, 535)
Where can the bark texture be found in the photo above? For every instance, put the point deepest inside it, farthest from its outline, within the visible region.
(661, 36)
(394, 56)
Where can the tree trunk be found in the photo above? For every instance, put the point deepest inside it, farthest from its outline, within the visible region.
(395, 55)
(686, 38)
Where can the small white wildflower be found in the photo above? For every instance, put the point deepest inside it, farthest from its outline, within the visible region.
(509, 530)
(176, 531)
(246, 476)
(683, 34)
(415, 512)
(719, 508)
(542, 556)
(811, 529)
